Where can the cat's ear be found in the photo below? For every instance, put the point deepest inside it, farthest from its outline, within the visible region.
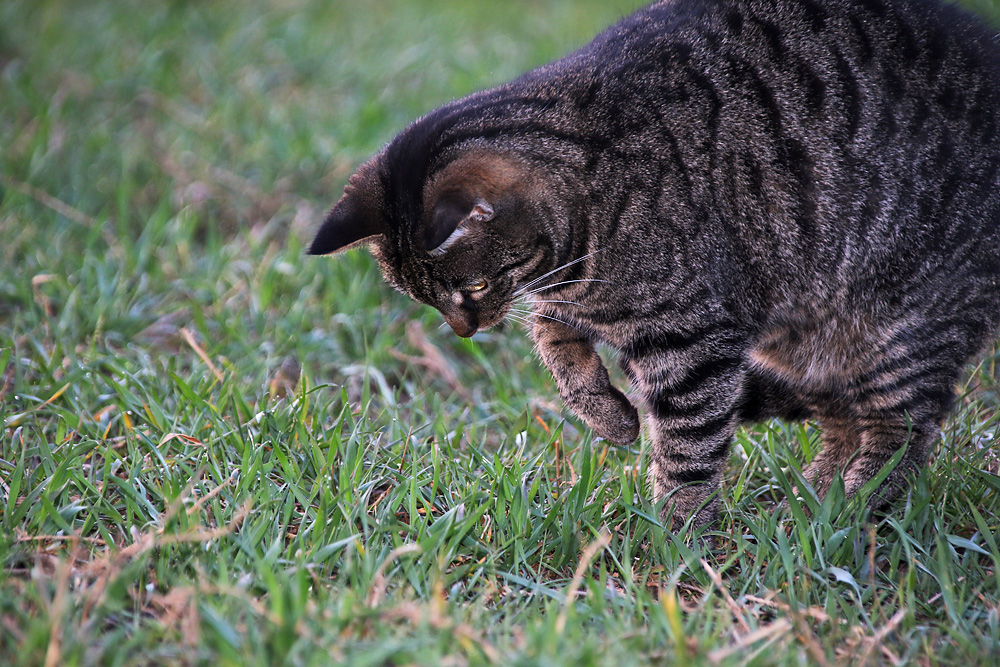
(449, 222)
(357, 218)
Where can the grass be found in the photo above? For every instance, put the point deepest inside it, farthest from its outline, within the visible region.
(217, 450)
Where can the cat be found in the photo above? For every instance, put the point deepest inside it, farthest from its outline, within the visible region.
(765, 208)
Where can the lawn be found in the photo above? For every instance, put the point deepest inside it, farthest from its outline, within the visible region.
(216, 449)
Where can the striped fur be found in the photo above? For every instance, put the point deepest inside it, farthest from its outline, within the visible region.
(769, 208)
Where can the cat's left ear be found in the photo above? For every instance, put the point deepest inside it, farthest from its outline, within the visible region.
(450, 220)
(357, 218)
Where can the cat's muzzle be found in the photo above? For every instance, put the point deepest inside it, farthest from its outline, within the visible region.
(464, 325)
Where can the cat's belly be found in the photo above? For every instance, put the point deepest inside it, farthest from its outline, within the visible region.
(822, 354)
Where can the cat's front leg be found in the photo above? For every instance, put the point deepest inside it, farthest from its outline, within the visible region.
(583, 382)
(694, 404)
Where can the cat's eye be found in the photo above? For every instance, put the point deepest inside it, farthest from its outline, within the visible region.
(478, 286)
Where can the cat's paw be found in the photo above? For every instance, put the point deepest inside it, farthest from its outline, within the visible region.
(614, 418)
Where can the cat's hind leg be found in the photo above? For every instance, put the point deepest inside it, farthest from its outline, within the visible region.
(865, 424)
(840, 443)
(857, 443)
(903, 397)
(881, 439)
(902, 402)
(767, 397)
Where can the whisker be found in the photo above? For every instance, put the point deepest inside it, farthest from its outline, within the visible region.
(557, 269)
(526, 322)
(567, 282)
(555, 319)
(518, 318)
(526, 315)
(574, 303)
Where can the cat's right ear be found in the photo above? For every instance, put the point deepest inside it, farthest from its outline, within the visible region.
(357, 218)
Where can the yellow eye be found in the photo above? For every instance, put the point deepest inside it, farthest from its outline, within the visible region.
(476, 287)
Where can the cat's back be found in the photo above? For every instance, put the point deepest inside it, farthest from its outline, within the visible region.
(862, 136)
(914, 35)
(850, 68)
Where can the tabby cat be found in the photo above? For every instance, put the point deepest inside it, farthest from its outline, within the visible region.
(766, 208)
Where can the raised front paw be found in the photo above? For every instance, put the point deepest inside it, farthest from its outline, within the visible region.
(611, 415)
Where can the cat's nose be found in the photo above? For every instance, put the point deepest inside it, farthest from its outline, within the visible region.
(461, 326)
(465, 333)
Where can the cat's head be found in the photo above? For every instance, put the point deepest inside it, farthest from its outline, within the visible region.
(462, 234)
